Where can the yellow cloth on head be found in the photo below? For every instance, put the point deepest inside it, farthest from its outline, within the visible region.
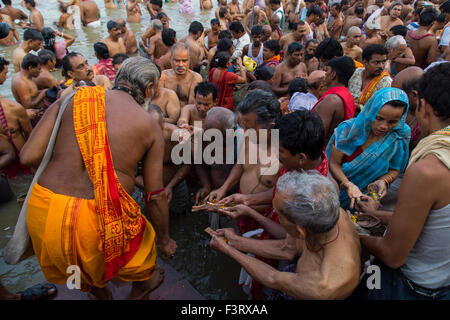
(437, 143)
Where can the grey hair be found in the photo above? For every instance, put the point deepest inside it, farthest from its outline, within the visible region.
(179, 45)
(137, 72)
(353, 29)
(222, 115)
(394, 42)
(311, 200)
(157, 24)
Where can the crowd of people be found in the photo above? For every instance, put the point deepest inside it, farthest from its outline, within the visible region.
(357, 91)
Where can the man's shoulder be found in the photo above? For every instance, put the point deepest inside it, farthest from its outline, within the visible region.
(196, 76)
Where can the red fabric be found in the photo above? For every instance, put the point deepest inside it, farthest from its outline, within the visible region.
(346, 97)
(357, 152)
(15, 168)
(272, 215)
(106, 68)
(225, 83)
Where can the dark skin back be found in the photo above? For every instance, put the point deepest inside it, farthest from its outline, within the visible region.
(66, 174)
(331, 111)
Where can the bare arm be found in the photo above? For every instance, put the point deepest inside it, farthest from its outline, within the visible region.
(173, 108)
(185, 116)
(152, 171)
(24, 121)
(197, 79)
(7, 153)
(25, 98)
(276, 84)
(410, 214)
(324, 108)
(34, 149)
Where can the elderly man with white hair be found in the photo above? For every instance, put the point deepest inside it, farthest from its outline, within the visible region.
(399, 55)
(351, 45)
(317, 229)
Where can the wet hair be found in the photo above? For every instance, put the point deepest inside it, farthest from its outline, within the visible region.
(6, 2)
(310, 41)
(157, 24)
(427, 17)
(195, 27)
(112, 25)
(119, 58)
(275, 1)
(329, 48)
(298, 23)
(343, 2)
(399, 30)
(445, 7)
(397, 104)
(263, 73)
(257, 30)
(3, 63)
(372, 49)
(46, 56)
(49, 37)
(302, 131)
(311, 201)
(359, 10)
(337, 6)
(161, 15)
(179, 45)
(224, 45)
(394, 42)
(30, 60)
(441, 18)
(168, 36)
(225, 34)
(260, 84)
(204, 88)
(264, 104)
(31, 3)
(220, 60)
(394, 4)
(344, 68)
(222, 12)
(215, 22)
(32, 34)
(297, 85)
(273, 45)
(294, 47)
(101, 50)
(314, 9)
(137, 72)
(62, 7)
(236, 26)
(66, 64)
(433, 88)
(159, 3)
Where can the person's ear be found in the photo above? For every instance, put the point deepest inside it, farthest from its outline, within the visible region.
(148, 90)
(302, 158)
(301, 232)
(70, 74)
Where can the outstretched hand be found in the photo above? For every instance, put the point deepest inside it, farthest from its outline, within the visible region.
(218, 242)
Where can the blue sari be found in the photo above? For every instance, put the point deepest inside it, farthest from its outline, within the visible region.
(389, 152)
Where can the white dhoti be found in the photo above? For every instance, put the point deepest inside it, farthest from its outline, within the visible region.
(94, 24)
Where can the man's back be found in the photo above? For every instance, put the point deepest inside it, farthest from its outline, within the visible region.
(424, 48)
(66, 174)
(89, 11)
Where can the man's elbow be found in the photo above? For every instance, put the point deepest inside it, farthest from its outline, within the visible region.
(28, 158)
(394, 260)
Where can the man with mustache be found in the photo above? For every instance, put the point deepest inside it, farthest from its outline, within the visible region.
(77, 68)
(180, 78)
(365, 81)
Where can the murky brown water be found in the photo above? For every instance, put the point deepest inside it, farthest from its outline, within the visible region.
(214, 275)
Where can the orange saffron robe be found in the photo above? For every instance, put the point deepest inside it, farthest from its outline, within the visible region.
(369, 89)
(106, 237)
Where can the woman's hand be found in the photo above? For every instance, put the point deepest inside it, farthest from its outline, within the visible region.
(378, 186)
(353, 192)
(202, 193)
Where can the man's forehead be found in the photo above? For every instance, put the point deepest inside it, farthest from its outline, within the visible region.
(181, 53)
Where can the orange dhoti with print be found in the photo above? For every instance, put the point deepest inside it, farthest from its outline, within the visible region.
(107, 237)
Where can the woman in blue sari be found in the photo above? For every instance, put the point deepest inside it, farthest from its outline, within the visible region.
(370, 151)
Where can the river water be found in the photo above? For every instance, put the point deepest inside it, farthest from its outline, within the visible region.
(214, 275)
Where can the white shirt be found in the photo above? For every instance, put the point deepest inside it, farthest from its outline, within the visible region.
(302, 100)
(239, 45)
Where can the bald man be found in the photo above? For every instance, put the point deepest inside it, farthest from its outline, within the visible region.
(213, 176)
(275, 22)
(316, 83)
(351, 45)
